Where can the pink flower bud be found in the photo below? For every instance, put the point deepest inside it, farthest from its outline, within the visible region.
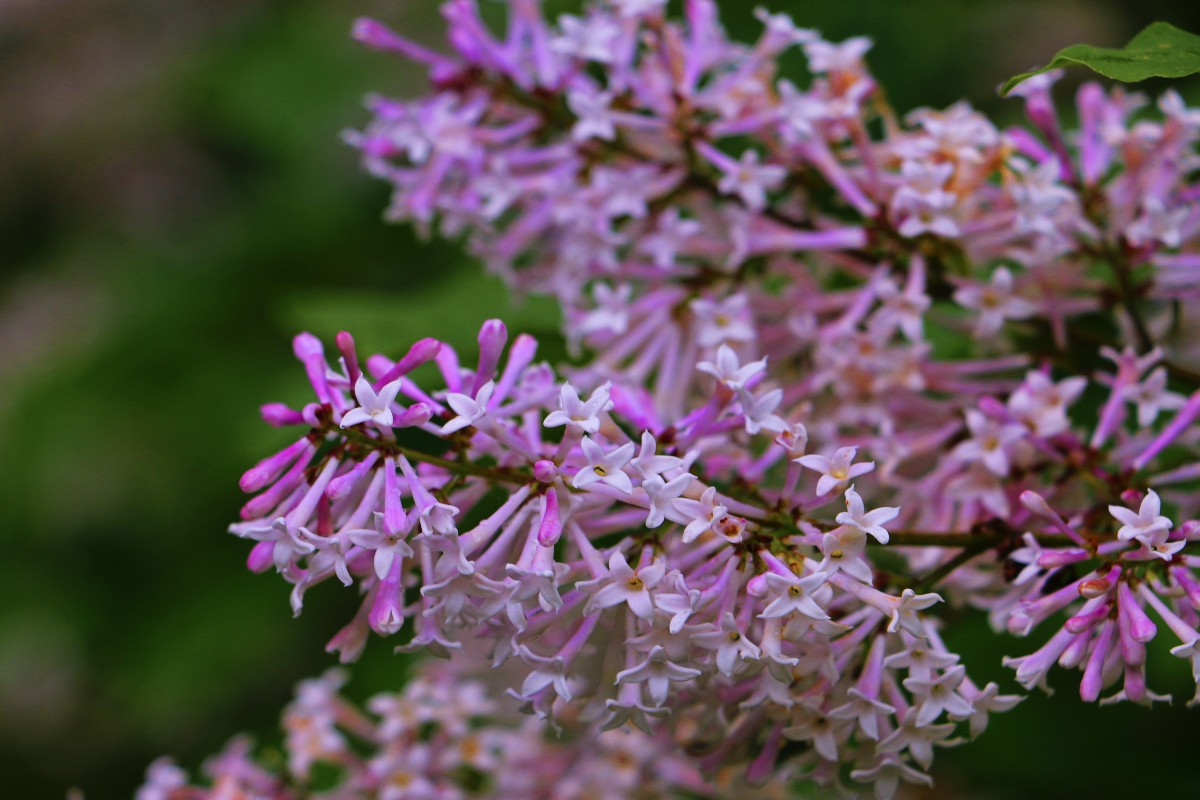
(279, 415)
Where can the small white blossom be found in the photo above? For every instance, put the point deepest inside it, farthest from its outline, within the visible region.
(870, 522)
(728, 370)
(604, 467)
(372, 407)
(470, 410)
(579, 414)
(1148, 525)
(657, 672)
(835, 471)
(995, 302)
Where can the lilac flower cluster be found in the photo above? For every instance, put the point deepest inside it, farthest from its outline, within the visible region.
(828, 361)
(626, 572)
(440, 738)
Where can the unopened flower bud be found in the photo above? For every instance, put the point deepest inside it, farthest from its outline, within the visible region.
(1095, 587)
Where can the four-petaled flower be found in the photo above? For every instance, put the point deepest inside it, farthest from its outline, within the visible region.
(790, 593)
(730, 642)
(372, 407)
(623, 584)
(576, 413)
(870, 522)
(387, 546)
(470, 410)
(657, 672)
(605, 467)
(837, 470)
(1148, 525)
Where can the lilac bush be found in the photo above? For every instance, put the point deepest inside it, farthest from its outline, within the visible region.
(832, 370)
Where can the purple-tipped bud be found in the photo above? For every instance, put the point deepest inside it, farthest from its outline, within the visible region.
(1076, 652)
(350, 641)
(387, 609)
(551, 527)
(307, 346)
(1083, 621)
(340, 486)
(993, 407)
(545, 471)
(1141, 628)
(492, 338)
(1135, 683)
(1190, 586)
(345, 344)
(418, 354)
(311, 414)
(261, 557)
(265, 471)
(1131, 497)
(1093, 677)
(377, 36)
(279, 415)
(1052, 559)
(378, 364)
(394, 519)
(311, 352)
(416, 414)
(1036, 504)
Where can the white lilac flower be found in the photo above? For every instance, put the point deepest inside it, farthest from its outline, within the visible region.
(729, 641)
(670, 235)
(705, 513)
(750, 179)
(594, 112)
(386, 546)
(988, 701)
(995, 302)
(657, 672)
(904, 611)
(648, 462)
(1148, 525)
(678, 600)
(575, 413)
(623, 584)
(989, 442)
(661, 496)
(727, 369)
(1041, 404)
(1151, 397)
(939, 694)
(886, 774)
(866, 711)
(721, 321)
(759, 411)
(469, 410)
(604, 467)
(870, 522)
(791, 593)
(835, 471)
(842, 550)
(372, 407)
(1158, 224)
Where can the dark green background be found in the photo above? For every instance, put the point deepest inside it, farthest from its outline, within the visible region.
(174, 204)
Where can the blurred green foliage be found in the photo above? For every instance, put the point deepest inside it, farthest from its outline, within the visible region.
(164, 238)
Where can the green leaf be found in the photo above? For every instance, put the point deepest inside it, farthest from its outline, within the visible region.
(1160, 51)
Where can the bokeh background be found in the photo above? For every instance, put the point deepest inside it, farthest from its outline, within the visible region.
(175, 203)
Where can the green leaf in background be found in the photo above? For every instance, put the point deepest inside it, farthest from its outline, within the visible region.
(1160, 51)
